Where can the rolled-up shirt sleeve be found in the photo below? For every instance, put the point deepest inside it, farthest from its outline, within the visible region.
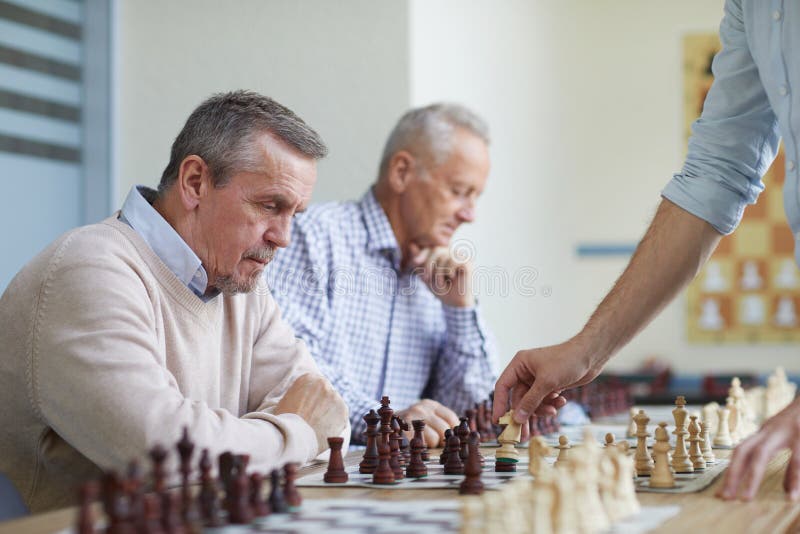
(734, 141)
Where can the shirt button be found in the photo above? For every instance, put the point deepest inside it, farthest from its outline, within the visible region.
(790, 165)
(776, 15)
(783, 90)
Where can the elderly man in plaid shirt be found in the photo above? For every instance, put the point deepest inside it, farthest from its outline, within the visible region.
(372, 287)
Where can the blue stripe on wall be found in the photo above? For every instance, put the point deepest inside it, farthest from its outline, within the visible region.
(586, 250)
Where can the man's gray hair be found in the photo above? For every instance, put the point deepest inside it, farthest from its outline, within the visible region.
(427, 132)
(224, 129)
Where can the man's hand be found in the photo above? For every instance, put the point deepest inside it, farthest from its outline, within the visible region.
(438, 418)
(751, 457)
(447, 276)
(313, 398)
(535, 378)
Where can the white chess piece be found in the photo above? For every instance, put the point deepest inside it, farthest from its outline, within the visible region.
(787, 276)
(753, 312)
(751, 279)
(786, 315)
(662, 476)
(710, 317)
(714, 282)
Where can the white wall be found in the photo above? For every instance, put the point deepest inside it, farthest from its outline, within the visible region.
(585, 102)
(341, 66)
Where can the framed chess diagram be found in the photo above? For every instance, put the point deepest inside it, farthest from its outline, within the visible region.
(749, 291)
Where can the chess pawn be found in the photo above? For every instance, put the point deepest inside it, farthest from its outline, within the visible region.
(537, 450)
(454, 465)
(723, 437)
(336, 473)
(472, 485)
(610, 440)
(158, 455)
(416, 467)
(632, 428)
(208, 497)
(563, 446)
(277, 499)
(624, 447)
(383, 474)
(680, 458)
(662, 476)
(370, 461)
(643, 462)
(695, 451)
(87, 494)
(397, 443)
(462, 431)
(293, 498)
(239, 511)
(257, 503)
(419, 432)
(443, 456)
(705, 445)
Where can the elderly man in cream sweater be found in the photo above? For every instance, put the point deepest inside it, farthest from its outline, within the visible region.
(120, 333)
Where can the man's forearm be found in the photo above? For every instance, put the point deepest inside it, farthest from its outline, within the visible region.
(674, 248)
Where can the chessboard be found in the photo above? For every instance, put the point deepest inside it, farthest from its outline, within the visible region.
(749, 290)
(436, 479)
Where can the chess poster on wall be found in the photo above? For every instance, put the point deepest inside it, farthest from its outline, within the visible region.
(749, 291)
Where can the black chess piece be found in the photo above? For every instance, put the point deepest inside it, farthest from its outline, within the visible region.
(336, 473)
(370, 461)
(87, 494)
(238, 500)
(416, 467)
(397, 441)
(462, 431)
(158, 455)
(419, 432)
(383, 474)
(209, 493)
(443, 456)
(277, 500)
(257, 503)
(290, 493)
(453, 465)
(472, 485)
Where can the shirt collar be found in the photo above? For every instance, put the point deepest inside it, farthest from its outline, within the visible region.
(380, 236)
(168, 245)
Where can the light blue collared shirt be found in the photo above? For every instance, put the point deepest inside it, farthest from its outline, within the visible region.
(754, 100)
(138, 213)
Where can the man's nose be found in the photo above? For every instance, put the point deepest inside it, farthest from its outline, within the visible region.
(279, 232)
(466, 214)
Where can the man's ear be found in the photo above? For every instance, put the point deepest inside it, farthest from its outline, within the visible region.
(193, 181)
(401, 170)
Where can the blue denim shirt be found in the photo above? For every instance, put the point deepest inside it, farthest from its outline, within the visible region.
(753, 102)
(138, 213)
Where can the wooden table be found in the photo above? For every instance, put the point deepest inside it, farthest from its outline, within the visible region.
(700, 512)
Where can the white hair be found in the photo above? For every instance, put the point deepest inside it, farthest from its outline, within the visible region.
(427, 132)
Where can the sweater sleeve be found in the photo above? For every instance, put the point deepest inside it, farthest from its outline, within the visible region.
(99, 378)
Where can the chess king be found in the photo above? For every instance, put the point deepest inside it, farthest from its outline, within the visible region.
(120, 333)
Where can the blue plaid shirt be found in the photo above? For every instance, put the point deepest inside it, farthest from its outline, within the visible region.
(374, 329)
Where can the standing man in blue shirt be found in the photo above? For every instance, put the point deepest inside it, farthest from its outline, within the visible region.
(754, 100)
(373, 289)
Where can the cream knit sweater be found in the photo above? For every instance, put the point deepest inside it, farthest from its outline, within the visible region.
(104, 353)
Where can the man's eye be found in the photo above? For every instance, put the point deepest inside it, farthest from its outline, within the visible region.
(269, 207)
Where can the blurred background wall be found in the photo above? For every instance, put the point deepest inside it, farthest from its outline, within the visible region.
(584, 99)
